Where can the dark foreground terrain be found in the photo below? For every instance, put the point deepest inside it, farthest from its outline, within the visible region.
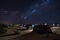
(36, 36)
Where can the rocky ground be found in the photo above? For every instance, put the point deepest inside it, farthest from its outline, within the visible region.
(36, 36)
(29, 35)
(10, 36)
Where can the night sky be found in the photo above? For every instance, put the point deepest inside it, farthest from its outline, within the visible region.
(29, 11)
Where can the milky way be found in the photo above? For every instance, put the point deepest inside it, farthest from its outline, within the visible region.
(32, 11)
